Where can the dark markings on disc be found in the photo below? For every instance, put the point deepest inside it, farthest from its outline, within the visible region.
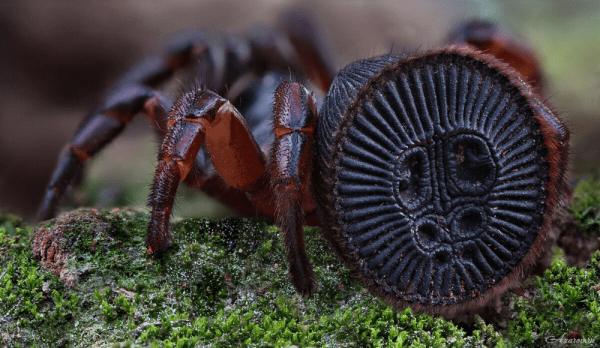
(439, 176)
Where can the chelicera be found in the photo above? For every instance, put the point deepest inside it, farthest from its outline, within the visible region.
(434, 176)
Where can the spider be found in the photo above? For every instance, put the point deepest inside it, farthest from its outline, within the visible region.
(434, 176)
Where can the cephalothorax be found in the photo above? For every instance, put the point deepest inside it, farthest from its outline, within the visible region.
(434, 176)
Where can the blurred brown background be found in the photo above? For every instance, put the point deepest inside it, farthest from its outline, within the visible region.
(57, 57)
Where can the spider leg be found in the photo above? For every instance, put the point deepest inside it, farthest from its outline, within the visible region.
(301, 45)
(313, 45)
(489, 38)
(295, 116)
(221, 59)
(202, 117)
(100, 127)
(131, 95)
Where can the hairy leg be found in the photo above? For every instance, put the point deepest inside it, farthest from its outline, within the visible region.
(221, 61)
(130, 95)
(201, 117)
(99, 128)
(295, 116)
(487, 37)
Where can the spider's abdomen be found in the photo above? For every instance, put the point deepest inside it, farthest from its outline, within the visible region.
(439, 175)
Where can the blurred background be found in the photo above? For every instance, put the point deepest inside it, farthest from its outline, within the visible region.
(56, 58)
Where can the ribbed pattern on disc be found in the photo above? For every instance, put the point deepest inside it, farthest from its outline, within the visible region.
(439, 178)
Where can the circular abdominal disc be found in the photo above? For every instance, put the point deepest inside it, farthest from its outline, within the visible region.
(441, 181)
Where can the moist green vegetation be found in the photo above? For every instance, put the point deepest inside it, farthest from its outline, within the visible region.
(224, 283)
(586, 205)
(564, 304)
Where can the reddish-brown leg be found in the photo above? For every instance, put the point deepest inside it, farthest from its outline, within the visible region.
(487, 37)
(198, 117)
(222, 60)
(99, 128)
(295, 116)
(131, 95)
(314, 47)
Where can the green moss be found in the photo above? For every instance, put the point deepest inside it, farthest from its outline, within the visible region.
(271, 321)
(564, 301)
(10, 223)
(224, 283)
(585, 205)
(26, 306)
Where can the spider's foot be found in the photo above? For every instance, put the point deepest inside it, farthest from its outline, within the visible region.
(158, 241)
(158, 235)
(157, 251)
(303, 279)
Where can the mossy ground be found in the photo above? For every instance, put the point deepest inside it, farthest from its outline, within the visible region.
(224, 283)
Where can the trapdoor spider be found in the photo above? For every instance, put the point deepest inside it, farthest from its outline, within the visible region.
(434, 176)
